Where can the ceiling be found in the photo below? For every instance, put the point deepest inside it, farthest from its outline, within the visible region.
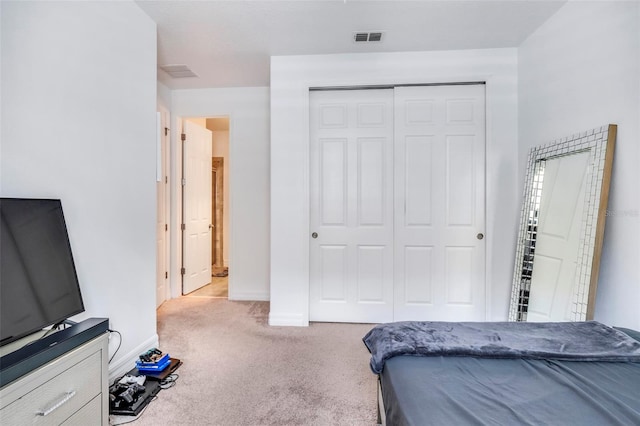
(229, 43)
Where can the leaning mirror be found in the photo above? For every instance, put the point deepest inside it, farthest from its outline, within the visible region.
(561, 228)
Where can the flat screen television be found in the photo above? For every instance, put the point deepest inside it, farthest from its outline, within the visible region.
(38, 282)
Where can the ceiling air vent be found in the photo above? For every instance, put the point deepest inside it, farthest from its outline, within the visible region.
(366, 37)
(178, 71)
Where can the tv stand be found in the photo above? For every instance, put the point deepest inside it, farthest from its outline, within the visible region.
(60, 378)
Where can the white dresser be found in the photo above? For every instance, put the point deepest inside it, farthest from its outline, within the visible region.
(72, 389)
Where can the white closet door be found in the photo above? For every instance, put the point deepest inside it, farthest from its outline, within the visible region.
(439, 203)
(558, 237)
(351, 206)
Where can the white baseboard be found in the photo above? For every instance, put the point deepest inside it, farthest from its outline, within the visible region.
(126, 362)
(287, 320)
(249, 296)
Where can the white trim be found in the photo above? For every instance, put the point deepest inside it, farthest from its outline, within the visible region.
(488, 270)
(248, 296)
(162, 172)
(288, 320)
(231, 247)
(175, 203)
(176, 199)
(306, 182)
(478, 79)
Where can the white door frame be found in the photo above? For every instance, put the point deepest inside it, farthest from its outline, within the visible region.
(304, 320)
(162, 177)
(175, 204)
(486, 287)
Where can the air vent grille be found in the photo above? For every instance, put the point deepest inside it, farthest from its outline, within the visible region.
(367, 36)
(178, 71)
(361, 37)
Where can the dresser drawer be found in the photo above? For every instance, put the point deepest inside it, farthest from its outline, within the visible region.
(89, 415)
(57, 399)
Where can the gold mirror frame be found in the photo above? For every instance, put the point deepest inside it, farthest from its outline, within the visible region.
(599, 144)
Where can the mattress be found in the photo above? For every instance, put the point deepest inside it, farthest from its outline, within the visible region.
(482, 391)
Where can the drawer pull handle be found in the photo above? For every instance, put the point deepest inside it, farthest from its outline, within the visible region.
(57, 405)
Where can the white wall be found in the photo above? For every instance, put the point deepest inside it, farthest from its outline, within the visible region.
(79, 117)
(291, 78)
(248, 111)
(581, 70)
(164, 97)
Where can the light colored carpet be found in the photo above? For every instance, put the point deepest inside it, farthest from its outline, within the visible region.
(240, 371)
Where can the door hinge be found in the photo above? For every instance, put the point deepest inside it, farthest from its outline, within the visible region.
(184, 181)
(166, 179)
(182, 271)
(166, 275)
(166, 131)
(183, 137)
(166, 227)
(183, 227)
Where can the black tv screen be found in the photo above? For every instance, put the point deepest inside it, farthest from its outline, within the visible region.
(38, 282)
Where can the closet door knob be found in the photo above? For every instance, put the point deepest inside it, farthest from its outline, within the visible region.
(480, 236)
(314, 235)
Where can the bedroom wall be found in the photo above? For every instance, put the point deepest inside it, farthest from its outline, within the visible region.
(248, 112)
(291, 77)
(79, 123)
(164, 97)
(580, 70)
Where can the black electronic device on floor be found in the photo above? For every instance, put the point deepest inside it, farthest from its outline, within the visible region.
(130, 399)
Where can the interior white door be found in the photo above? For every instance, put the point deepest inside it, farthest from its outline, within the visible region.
(562, 204)
(439, 203)
(196, 248)
(351, 206)
(162, 265)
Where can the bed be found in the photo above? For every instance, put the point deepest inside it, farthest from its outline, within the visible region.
(506, 373)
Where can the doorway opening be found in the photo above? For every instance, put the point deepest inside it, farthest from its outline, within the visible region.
(207, 199)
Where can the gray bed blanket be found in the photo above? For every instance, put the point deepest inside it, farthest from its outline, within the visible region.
(567, 341)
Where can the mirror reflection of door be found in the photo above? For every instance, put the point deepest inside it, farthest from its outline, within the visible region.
(217, 211)
(562, 227)
(220, 196)
(558, 238)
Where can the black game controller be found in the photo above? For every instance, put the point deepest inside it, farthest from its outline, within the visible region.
(151, 355)
(125, 395)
